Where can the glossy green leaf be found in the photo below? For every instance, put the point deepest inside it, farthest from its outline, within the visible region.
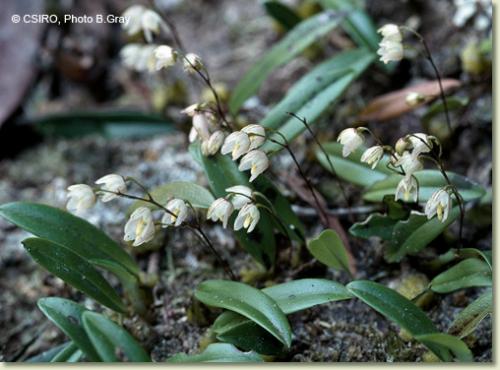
(456, 347)
(467, 273)
(217, 352)
(350, 168)
(74, 270)
(315, 94)
(222, 172)
(376, 224)
(67, 315)
(70, 231)
(412, 235)
(197, 195)
(291, 297)
(112, 124)
(329, 249)
(70, 353)
(429, 182)
(294, 42)
(470, 317)
(108, 337)
(249, 302)
(282, 14)
(398, 309)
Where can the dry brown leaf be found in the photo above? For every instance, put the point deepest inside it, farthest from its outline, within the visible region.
(393, 104)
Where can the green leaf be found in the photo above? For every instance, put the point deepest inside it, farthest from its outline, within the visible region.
(398, 309)
(412, 235)
(291, 297)
(249, 302)
(429, 181)
(112, 124)
(222, 172)
(217, 352)
(315, 94)
(197, 195)
(67, 315)
(74, 270)
(282, 14)
(108, 337)
(456, 347)
(376, 224)
(473, 252)
(350, 168)
(48, 355)
(357, 24)
(294, 42)
(70, 353)
(329, 249)
(467, 273)
(70, 231)
(470, 317)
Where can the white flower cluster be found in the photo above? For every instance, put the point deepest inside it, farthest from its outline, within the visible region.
(140, 227)
(391, 46)
(239, 198)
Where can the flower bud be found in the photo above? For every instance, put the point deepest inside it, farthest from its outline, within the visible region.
(214, 143)
(81, 197)
(414, 99)
(114, 183)
(192, 63)
(201, 125)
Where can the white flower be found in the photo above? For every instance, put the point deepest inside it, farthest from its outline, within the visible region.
(138, 57)
(391, 32)
(401, 145)
(192, 62)
(257, 135)
(165, 57)
(81, 197)
(151, 22)
(201, 125)
(248, 217)
(114, 183)
(351, 140)
(240, 195)
(179, 213)
(372, 155)
(140, 227)
(237, 143)
(256, 161)
(140, 18)
(193, 135)
(409, 163)
(213, 144)
(407, 189)
(390, 51)
(220, 209)
(440, 204)
(133, 19)
(414, 98)
(420, 143)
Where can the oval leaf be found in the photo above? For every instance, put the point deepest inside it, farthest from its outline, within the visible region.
(74, 270)
(329, 249)
(249, 302)
(429, 182)
(108, 337)
(67, 315)
(70, 231)
(470, 317)
(467, 273)
(456, 347)
(217, 352)
(197, 195)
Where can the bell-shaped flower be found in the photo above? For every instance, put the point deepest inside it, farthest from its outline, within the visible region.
(177, 215)
(151, 23)
(256, 161)
(420, 143)
(373, 155)
(111, 183)
(220, 210)
(439, 204)
(138, 57)
(351, 139)
(237, 143)
(239, 195)
(407, 189)
(257, 135)
(192, 63)
(391, 32)
(201, 125)
(248, 217)
(213, 144)
(81, 197)
(409, 163)
(140, 227)
(165, 57)
(390, 51)
(139, 18)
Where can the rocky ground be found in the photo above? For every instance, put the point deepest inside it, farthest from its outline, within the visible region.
(343, 331)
